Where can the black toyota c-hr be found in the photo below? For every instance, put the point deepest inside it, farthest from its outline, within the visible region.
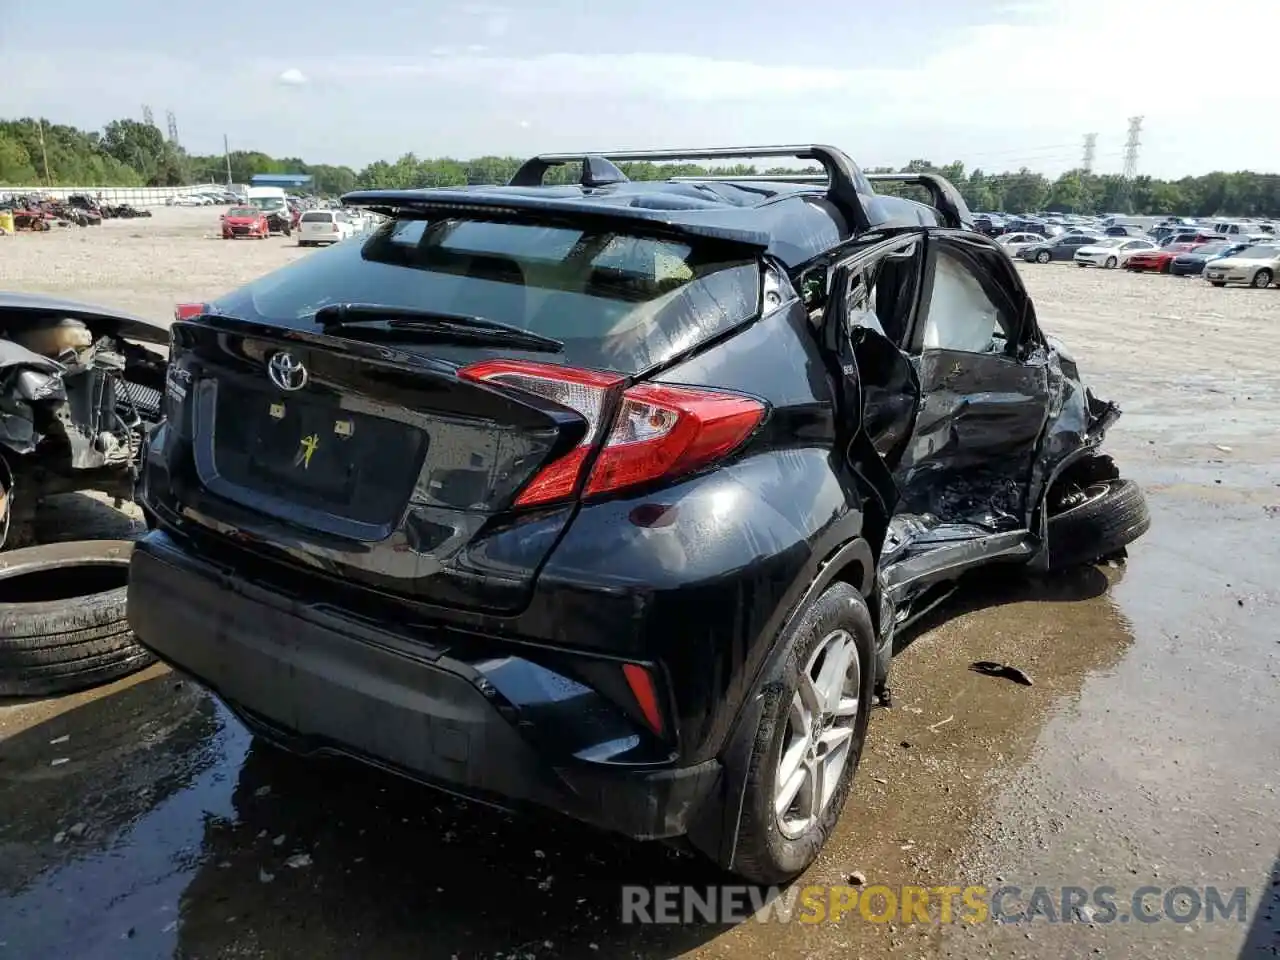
(609, 497)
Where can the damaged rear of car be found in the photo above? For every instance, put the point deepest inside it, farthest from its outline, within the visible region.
(609, 497)
(79, 389)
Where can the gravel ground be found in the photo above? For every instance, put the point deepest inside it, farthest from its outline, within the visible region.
(1145, 753)
(144, 265)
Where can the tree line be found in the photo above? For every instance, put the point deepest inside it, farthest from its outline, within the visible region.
(132, 153)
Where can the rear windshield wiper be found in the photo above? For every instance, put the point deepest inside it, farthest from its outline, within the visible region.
(445, 326)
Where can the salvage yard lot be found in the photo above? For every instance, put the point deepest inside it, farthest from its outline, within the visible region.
(1145, 753)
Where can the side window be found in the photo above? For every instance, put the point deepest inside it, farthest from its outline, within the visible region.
(859, 300)
(882, 294)
(961, 314)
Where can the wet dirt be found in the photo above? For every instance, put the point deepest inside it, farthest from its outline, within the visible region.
(1144, 754)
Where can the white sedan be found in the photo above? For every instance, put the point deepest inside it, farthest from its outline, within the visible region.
(1256, 266)
(323, 226)
(1111, 252)
(1015, 242)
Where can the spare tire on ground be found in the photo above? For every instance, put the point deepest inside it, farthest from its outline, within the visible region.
(62, 618)
(1099, 519)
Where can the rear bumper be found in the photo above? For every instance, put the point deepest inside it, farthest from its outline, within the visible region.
(315, 680)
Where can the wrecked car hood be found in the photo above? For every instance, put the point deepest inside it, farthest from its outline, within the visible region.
(114, 322)
(14, 354)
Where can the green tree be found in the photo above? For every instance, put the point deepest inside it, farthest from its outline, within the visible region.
(1070, 193)
(1025, 191)
(131, 153)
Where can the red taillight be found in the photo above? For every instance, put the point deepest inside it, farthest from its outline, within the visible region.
(663, 431)
(659, 431)
(640, 680)
(185, 311)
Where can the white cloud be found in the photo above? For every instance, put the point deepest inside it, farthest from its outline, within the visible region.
(992, 95)
(1046, 76)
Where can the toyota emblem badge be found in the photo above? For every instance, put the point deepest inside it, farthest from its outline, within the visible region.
(286, 371)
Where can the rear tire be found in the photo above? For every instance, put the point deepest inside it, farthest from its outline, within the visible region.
(1044, 256)
(64, 641)
(1109, 515)
(1111, 263)
(1262, 279)
(771, 847)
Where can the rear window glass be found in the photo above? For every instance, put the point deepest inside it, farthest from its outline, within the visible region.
(618, 300)
(318, 216)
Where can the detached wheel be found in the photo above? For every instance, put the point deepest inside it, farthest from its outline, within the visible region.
(1262, 279)
(62, 618)
(1095, 520)
(809, 743)
(1044, 256)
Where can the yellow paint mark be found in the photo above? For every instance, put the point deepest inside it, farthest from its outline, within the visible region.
(306, 449)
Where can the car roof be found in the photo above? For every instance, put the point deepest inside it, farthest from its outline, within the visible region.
(795, 218)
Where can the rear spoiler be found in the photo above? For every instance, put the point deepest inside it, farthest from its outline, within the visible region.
(494, 203)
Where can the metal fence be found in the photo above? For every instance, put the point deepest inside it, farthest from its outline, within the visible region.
(137, 196)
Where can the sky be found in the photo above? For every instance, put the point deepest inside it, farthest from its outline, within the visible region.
(996, 84)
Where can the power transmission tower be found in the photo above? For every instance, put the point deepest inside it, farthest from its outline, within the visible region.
(1131, 144)
(1090, 151)
(147, 116)
(173, 127)
(1131, 148)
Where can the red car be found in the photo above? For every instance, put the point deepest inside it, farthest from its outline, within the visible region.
(244, 222)
(1157, 260)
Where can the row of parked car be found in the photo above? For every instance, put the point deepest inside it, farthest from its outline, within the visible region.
(1219, 260)
(316, 227)
(204, 198)
(1120, 225)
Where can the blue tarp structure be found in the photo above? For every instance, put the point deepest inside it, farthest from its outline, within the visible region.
(280, 180)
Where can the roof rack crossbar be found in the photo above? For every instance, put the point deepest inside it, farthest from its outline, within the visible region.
(846, 181)
(758, 178)
(944, 197)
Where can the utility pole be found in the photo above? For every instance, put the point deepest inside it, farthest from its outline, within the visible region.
(1131, 144)
(44, 155)
(173, 127)
(1090, 151)
(226, 149)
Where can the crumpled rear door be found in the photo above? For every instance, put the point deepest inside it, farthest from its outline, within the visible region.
(984, 390)
(869, 315)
